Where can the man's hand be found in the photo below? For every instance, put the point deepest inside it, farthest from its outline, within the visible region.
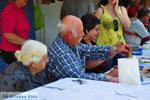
(112, 75)
(122, 48)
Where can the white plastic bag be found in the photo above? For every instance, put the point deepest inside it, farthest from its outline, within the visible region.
(128, 71)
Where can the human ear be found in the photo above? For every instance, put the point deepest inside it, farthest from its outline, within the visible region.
(32, 64)
(70, 35)
(86, 31)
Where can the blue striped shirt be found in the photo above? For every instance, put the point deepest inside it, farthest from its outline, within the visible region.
(68, 61)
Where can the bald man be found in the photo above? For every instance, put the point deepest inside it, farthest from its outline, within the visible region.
(67, 55)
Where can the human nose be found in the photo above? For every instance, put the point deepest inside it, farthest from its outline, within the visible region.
(47, 60)
(82, 34)
(98, 32)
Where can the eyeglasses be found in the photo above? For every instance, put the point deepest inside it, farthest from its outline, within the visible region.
(116, 25)
(97, 29)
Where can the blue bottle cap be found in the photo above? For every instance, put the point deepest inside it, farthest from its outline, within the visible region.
(141, 67)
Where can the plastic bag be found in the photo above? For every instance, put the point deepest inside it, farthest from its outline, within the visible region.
(39, 23)
(128, 69)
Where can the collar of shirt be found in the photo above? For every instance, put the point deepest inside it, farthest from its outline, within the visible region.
(14, 6)
(64, 42)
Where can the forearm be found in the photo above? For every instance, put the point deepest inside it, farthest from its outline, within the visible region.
(92, 64)
(124, 19)
(145, 39)
(13, 38)
(73, 68)
(95, 53)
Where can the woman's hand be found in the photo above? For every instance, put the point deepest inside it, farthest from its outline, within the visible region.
(116, 6)
(122, 48)
(123, 17)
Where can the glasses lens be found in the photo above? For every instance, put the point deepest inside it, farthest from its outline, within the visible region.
(97, 29)
(116, 25)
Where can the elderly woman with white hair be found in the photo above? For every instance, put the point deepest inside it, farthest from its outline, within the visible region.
(29, 71)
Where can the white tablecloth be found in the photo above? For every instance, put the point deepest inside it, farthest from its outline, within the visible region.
(145, 52)
(90, 90)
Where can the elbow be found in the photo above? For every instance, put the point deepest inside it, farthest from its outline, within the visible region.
(7, 36)
(127, 25)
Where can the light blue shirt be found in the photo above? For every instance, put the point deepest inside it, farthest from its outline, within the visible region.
(138, 27)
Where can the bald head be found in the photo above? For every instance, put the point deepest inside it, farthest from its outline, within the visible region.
(71, 29)
(69, 23)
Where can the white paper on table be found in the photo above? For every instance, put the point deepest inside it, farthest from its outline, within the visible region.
(128, 69)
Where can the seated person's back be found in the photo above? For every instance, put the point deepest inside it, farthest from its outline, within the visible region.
(29, 71)
(138, 28)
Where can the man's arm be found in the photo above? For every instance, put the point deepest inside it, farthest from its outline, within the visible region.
(145, 39)
(73, 67)
(93, 64)
(96, 52)
(93, 53)
(69, 65)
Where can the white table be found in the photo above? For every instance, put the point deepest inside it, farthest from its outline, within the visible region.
(90, 90)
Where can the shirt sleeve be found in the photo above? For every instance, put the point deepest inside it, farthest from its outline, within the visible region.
(141, 30)
(95, 52)
(8, 21)
(68, 65)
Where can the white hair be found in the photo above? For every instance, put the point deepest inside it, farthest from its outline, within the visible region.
(64, 28)
(31, 51)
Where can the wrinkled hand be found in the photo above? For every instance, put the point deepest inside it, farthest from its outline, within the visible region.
(122, 48)
(113, 73)
(112, 76)
(115, 80)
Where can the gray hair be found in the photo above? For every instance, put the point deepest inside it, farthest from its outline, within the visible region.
(31, 51)
(65, 28)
